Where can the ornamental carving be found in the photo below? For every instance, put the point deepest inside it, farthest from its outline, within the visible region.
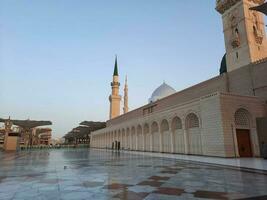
(233, 20)
(235, 43)
(223, 5)
(258, 35)
(236, 38)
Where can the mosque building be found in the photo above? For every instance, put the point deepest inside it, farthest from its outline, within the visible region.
(225, 116)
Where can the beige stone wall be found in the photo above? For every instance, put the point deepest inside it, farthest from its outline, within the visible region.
(212, 136)
(215, 84)
(229, 105)
(212, 131)
(248, 80)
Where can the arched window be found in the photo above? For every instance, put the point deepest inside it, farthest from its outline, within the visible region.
(164, 125)
(242, 118)
(133, 130)
(146, 128)
(192, 121)
(176, 123)
(128, 130)
(139, 129)
(154, 127)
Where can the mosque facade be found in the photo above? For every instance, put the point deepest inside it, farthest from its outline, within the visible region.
(225, 116)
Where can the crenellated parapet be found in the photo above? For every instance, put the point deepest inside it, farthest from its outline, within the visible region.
(223, 5)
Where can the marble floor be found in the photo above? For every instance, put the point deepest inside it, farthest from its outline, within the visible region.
(249, 163)
(99, 174)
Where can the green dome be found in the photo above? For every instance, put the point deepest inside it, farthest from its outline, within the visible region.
(223, 68)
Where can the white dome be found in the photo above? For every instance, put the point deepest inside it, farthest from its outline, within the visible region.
(162, 91)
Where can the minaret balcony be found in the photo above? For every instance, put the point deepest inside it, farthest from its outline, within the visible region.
(223, 5)
(115, 84)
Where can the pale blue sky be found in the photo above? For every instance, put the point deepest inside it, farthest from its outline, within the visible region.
(57, 56)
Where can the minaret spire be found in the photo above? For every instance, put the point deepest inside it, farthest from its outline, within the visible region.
(115, 73)
(115, 98)
(125, 108)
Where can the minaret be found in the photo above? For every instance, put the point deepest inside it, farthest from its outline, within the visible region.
(115, 98)
(244, 32)
(125, 108)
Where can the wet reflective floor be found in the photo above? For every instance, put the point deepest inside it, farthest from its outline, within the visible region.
(98, 174)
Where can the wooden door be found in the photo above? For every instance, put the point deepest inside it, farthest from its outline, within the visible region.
(244, 144)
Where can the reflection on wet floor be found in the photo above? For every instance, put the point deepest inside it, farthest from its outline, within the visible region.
(94, 174)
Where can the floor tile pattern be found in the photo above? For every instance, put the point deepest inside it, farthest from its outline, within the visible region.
(94, 174)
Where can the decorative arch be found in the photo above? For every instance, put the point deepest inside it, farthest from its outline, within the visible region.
(176, 123)
(146, 128)
(166, 136)
(119, 136)
(123, 138)
(114, 135)
(133, 129)
(155, 137)
(192, 124)
(146, 137)
(242, 118)
(244, 136)
(164, 126)
(128, 136)
(133, 138)
(178, 135)
(192, 121)
(154, 127)
(139, 129)
(139, 138)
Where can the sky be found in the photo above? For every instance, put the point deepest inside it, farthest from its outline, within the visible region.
(57, 56)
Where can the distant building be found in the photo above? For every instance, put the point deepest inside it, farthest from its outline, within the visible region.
(81, 134)
(218, 117)
(44, 136)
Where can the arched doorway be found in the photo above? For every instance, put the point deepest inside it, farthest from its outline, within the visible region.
(123, 139)
(119, 137)
(139, 138)
(146, 137)
(133, 138)
(166, 136)
(178, 135)
(155, 137)
(128, 138)
(194, 134)
(242, 123)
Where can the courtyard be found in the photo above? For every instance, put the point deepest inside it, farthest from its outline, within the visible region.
(105, 174)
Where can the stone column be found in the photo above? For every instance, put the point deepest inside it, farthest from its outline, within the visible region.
(136, 140)
(151, 140)
(131, 142)
(172, 140)
(143, 138)
(160, 142)
(186, 149)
